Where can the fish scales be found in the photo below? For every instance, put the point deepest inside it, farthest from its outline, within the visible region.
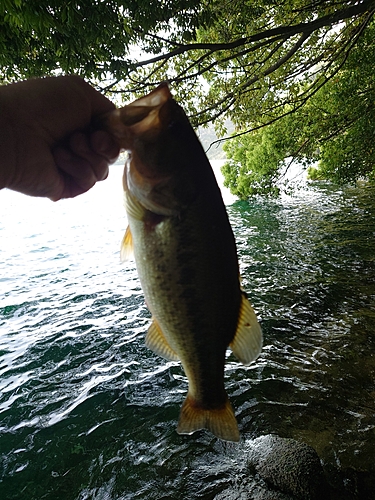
(185, 255)
(179, 265)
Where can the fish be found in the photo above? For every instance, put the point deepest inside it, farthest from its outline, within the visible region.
(185, 255)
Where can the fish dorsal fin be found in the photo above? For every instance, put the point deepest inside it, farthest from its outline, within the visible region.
(127, 248)
(248, 341)
(156, 341)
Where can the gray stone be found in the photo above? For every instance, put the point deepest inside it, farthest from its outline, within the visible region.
(252, 493)
(289, 466)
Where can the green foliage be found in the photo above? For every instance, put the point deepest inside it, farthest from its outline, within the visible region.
(247, 51)
(92, 38)
(291, 64)
(332, 134)
(273, 47)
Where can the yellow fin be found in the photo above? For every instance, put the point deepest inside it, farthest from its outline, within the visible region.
(221, 421)
(156, 341)
(133, 207)
(248, 341)
(126, 251)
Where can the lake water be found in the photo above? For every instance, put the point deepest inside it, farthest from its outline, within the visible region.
(88, 412)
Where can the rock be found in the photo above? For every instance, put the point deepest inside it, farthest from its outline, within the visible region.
(290, 466)
(255, 493)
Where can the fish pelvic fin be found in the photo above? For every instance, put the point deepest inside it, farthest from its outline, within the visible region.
(156, 341)
(248, 340)
(220, 421)
(127, 248)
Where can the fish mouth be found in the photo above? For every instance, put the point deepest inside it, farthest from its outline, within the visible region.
(136, 118)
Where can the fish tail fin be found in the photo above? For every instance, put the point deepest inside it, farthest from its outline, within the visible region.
(220, 421)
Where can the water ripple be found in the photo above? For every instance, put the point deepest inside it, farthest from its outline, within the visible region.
(86, 411)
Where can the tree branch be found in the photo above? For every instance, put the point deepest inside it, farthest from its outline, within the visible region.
(308, 93)
(257, 77)
(287, 31)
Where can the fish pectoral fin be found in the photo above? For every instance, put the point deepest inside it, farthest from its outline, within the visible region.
(248, 341)
(220, 421)
(156, 341)
(133, 207)
(127, 249)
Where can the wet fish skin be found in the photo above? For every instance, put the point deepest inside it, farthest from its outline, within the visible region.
(185, 255)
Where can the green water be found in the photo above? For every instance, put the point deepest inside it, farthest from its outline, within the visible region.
(87, 412)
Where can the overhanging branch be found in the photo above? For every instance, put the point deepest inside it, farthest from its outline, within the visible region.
(281, 31)
(315, 87)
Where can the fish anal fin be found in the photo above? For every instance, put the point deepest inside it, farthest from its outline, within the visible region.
(126, 251)
(248, 340)
(156, 341)
(220, 421)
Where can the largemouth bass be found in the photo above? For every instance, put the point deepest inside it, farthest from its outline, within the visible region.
(185, 255)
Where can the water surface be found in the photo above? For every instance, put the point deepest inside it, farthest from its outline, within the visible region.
(87, 412)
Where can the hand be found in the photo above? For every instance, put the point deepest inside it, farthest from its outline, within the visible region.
(46, 146)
